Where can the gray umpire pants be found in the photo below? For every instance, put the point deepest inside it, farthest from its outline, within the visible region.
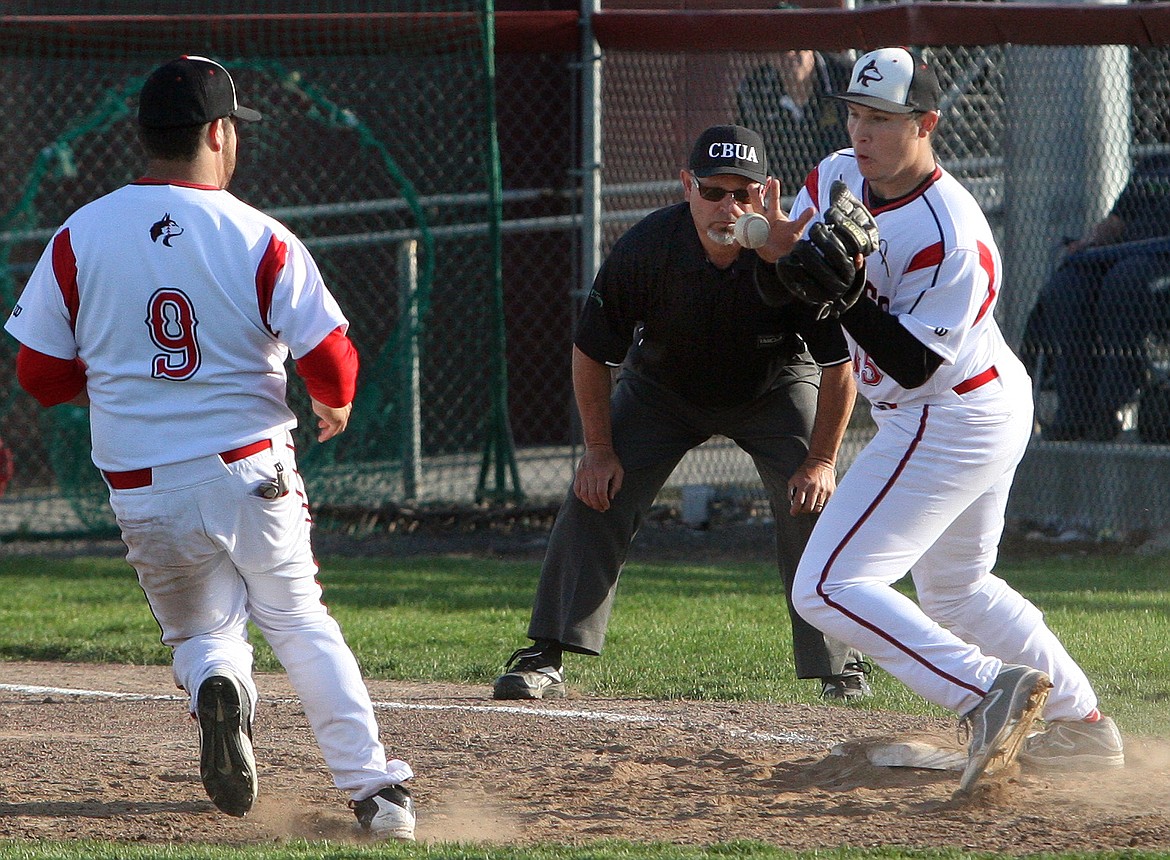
(652, 429)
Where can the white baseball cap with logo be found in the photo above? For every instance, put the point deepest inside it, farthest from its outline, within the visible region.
(893, 80)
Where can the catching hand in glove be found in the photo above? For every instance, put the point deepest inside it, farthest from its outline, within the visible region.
(827, 270)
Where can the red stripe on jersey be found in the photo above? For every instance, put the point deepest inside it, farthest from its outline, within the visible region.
(49, 379)
(931, 255)
(267, 272)
(810, 183)
(330, 369)
(65, 271)
(987, 262)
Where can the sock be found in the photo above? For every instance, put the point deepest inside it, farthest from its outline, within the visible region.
(1093, 717)
(551, 649)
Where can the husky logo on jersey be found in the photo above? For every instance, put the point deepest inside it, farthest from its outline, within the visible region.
(165, 227)
(869, 74)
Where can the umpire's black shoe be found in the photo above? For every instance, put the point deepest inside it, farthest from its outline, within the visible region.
(226, 764)
(534, 672)
(389, 814)
(850, 685)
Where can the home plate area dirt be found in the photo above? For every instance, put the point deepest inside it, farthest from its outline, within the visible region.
(109, 753)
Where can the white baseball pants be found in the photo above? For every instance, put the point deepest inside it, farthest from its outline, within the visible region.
(211, 554)
(928, 495)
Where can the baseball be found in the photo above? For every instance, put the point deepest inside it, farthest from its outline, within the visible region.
(751, 230)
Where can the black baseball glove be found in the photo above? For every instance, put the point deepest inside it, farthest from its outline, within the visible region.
(822, 270)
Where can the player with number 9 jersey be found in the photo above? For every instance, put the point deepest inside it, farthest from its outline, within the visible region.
(170, 306)
(211, 297)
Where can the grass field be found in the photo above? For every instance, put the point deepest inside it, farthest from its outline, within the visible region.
(679, 631)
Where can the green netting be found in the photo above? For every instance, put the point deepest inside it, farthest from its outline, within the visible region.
(379, 135)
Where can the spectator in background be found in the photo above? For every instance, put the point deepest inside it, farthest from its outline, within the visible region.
(1094, 315)
(785, 102)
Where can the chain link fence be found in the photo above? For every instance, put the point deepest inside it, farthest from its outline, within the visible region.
(1052, 140)
(377, 148)
(463, 299)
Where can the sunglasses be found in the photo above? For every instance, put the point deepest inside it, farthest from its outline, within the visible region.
(716, 194)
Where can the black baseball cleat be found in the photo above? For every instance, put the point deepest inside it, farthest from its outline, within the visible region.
(850, 685)
(534, 672)
(226, 763)
(389, 814)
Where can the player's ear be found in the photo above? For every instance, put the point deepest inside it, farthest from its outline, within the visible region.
(928, 122)
(688, 183)
(217, 133)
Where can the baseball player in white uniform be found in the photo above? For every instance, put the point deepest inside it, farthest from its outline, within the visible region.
(170, 307)
(953, 410)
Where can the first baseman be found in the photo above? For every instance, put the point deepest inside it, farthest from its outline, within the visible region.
(953, 409)
(170, 307)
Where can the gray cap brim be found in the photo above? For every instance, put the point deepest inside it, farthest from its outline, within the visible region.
(246, 114)
(875, 103)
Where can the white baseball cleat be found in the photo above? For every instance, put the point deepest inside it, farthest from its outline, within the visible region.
(389, 814)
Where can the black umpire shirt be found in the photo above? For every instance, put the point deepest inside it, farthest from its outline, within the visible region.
(659, 305)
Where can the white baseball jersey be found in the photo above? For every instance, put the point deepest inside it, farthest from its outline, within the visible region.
(175, 379)
(937, 269)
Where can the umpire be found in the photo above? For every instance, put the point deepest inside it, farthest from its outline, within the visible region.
(675, 306)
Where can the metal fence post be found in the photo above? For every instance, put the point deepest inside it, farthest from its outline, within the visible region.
(590, 148)
(411, 423)
(1079, 120)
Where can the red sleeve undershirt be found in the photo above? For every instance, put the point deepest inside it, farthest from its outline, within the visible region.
(50, 380)
(330, 370)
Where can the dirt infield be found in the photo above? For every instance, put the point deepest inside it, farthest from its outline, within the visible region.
(108, 752)
(76, 763)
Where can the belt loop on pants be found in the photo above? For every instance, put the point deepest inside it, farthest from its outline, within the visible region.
(977, 381)
(137, 478)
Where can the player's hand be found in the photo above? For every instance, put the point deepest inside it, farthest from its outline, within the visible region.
(810, 486)
(599, 477)
(333, 419)
(785, 232)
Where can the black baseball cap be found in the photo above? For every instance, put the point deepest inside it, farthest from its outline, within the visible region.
(893, 80)
(189, 91)
(730, 149)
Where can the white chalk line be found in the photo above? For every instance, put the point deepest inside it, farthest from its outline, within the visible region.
(33, 690)
(592, 716)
